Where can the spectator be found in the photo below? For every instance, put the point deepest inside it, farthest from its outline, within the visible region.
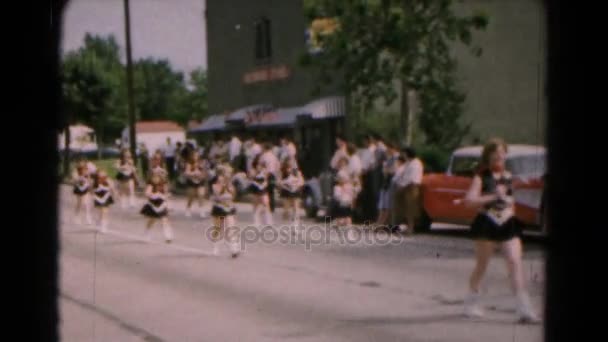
(385, 202)
(234, 148)
(169, 153)
(273, 167)
(409, 181)
(288, 150)
(144, 158)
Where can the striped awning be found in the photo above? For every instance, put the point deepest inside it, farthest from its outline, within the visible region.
(283, 117)
(213, 123)
(328, 107)
(242, 113)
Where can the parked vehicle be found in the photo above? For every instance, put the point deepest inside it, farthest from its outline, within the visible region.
(440, 190)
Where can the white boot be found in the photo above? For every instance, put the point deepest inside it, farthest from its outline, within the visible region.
(77, 219)
(132, 201)
(123, 202)
(525, 312)
(203, 213)
(103, 226)
(268, 217)
(256, 217)
(233, 246)
(216, 249)
(188, 213)
(168, 231)
(148, 235)
(471, 306)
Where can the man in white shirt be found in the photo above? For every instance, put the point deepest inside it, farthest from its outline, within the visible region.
(169, 153)
(252, 149)
(355, 166)
(408, 180)
(273, 166)
(218, 149)
(234, 148)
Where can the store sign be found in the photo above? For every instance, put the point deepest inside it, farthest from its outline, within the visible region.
(260, 115)
(265, 74)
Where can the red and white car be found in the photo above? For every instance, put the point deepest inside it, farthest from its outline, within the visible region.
(527, 164)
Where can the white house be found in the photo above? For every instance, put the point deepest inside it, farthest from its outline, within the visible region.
(82, 138)
(154, 134)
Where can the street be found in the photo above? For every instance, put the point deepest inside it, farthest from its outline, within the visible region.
(116, 287)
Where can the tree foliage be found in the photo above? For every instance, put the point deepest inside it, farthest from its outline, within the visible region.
(383, 48)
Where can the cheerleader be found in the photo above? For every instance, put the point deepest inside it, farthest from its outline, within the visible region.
(126, 177)
(156, 207)
(157, 168)
(103, 189)
(291, 184)
(259, 188)
(344, 196)
(195, 174)
(82, 187)
(496, 225)
(223, 212)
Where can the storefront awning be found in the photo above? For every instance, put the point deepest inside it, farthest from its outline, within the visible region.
(213, 123)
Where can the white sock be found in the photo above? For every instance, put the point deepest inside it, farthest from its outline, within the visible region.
(256, 217)
(168, 232)
(268, 217)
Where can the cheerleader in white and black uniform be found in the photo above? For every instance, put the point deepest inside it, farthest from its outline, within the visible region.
(496, 225)
(345, 192)
(156, 208)
(196, 177)
(291, 184)
(126, 177)
(82, 187)
(259, 188)
(223, 212)
(103, 189)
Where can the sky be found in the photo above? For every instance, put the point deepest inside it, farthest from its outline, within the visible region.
(172, 29)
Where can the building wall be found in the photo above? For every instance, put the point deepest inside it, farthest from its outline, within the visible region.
(155, 140)
(506, 85)
(231, 53)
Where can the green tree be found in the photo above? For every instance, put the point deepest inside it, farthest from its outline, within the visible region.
(384, 45)
(159, 90)
(92, 77)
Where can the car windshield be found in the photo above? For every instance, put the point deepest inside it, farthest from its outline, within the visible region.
(464, 165)
(523, 166)
(526, 166)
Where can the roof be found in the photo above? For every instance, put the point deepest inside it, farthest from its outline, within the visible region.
(327, 107)
(514, 150)
(157, 126)
(193, 124)
(279, 117)
(212, 123)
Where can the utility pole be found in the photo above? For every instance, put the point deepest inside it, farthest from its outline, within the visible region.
(130, 95)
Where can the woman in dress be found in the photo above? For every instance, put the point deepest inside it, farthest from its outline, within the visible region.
(259, 188)
(196, 176)
(156, 208)
(126, 177)
(491, 192)
(291, 184)
(103, 189)
(82, 186)
(223, 213)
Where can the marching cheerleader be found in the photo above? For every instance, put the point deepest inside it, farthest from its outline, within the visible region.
(126, 177)
(259, 188)
(496, 225)
(103, 190)
(344, 197)
(195, 174)
(82, 187)
(156, 207)
(157, 168)
(291, 184)
(223, 212)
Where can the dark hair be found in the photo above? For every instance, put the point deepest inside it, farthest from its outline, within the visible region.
(401, 158)
(351, 148)
(267, 146)
(409, 152)
(377, 136)
(341, 137)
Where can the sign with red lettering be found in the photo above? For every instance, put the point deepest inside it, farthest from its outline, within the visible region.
(265, 74)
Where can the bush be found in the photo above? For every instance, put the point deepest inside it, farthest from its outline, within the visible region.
(434, 158)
